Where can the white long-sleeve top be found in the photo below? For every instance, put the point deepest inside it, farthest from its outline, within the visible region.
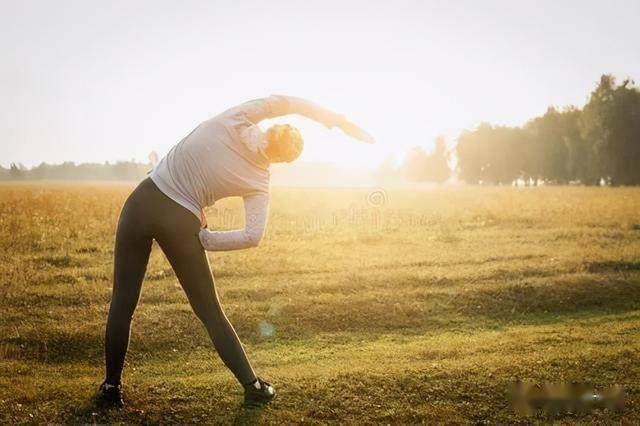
(222, 158)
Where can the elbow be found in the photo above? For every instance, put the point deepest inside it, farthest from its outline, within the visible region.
(254, 240)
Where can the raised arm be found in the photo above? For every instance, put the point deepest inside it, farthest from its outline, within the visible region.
(284, 105)
(279, 105)
(256, 207)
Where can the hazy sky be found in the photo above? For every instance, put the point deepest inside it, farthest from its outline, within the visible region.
(108, 80)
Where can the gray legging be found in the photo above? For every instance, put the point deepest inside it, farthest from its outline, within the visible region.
(149, 214)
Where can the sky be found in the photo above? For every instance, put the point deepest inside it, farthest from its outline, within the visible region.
(91, 81)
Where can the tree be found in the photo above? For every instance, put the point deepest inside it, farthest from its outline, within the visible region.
(473, 153)
(547, 148)
(578, 150)
(419, 166)
(16, 172)
(416, 165)
(611, 124)
(388, 170)
(493, 155)
(439, 168)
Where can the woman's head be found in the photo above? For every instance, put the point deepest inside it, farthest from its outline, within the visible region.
(284, 143)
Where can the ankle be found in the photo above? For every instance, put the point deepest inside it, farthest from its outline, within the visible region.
(254, 383)
(113, 383)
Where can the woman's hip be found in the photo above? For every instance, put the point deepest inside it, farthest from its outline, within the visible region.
(149, 208)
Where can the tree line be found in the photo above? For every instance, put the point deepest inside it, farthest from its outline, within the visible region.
(121, 170)
(595, 144)
(601, 141)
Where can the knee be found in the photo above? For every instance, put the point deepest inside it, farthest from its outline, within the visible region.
(121, 309)
(212, 315)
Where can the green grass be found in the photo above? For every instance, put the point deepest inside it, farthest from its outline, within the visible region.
(422, 311)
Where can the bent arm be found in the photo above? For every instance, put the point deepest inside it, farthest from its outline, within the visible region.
(255, 216)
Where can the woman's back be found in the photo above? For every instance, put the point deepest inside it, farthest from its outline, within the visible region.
(211, 163)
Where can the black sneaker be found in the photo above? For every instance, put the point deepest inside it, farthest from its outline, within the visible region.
(258, 393)
(110, 396)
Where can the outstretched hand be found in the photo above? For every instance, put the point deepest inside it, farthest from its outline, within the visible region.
(355, 131)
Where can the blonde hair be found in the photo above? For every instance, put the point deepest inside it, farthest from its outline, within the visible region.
(284, 143)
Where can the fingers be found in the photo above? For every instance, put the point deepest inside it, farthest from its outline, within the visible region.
(356, 132)
(366, 137)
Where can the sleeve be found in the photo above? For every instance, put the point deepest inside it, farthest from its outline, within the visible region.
(256, 207)
(279, 105)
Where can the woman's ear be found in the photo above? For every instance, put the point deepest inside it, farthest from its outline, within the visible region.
(252, 137)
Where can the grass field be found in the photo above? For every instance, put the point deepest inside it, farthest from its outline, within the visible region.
(421, 310)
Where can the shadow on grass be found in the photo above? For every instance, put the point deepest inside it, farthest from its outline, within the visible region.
(559, 299)
(225, 273)
(612, 266)
(90, 412)
(398, 309)
(53, 347)
(247, 415)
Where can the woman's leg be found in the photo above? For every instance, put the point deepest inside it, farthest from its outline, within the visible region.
(189, 260)
(131, 256)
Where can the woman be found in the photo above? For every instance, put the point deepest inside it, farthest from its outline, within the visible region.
(225, 156)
